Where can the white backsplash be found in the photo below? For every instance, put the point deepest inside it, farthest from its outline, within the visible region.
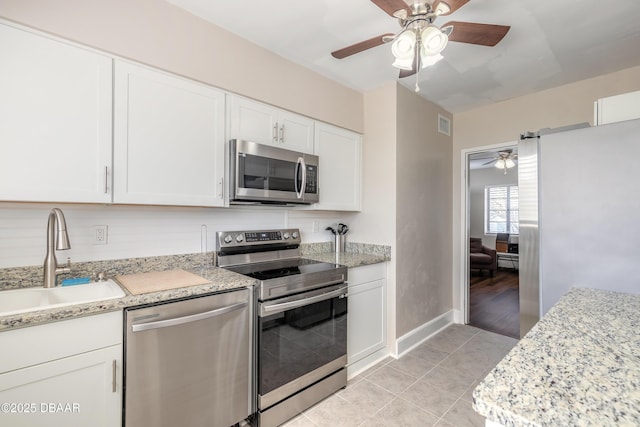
(139, 231)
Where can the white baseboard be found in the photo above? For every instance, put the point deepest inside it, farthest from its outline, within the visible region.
(410, 340)
(458, 317)
(356, 368)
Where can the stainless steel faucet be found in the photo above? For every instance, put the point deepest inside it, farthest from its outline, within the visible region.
(56, 231)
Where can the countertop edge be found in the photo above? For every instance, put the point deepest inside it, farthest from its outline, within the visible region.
(221, 280)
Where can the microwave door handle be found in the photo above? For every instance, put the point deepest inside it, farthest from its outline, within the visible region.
(303, 189)
(299, 191)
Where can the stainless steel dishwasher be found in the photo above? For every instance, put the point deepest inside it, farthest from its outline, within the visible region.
(189, 363)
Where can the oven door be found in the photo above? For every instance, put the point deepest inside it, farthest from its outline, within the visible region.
(260, 173)
(302, 339)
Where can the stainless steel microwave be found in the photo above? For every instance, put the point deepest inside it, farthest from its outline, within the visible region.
(261, 173)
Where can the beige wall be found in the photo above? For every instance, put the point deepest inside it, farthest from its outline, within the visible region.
(376, 222)
(423, 226)
(159, 34)
(503, 122)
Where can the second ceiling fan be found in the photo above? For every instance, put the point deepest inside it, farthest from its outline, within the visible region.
(419, 42)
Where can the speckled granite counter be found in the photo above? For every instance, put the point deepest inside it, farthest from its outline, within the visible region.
(200, 264)
(348, 258)
(578, 366)
(221, 280)
(357, 254)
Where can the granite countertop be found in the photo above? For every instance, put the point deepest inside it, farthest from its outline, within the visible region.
(220, 278)
(578, 366)
(200, 264)
(349, 259)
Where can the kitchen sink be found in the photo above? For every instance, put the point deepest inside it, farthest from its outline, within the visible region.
(31, 299)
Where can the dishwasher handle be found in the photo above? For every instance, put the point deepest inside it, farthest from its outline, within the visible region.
(187, 319)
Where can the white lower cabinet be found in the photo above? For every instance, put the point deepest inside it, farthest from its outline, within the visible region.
(66, 373)
(366, 336)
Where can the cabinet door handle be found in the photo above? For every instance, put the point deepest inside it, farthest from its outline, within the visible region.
(114, 378)
(275, 132)
(221, 191)
(106, 179)
(282, 133)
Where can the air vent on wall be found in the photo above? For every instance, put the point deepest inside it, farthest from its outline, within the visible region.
(444, 125)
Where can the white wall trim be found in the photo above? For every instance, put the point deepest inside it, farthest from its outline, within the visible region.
(412, 339)
(458, 317)
(356, 368)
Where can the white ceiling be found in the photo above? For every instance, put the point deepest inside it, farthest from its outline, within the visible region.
(550, 43)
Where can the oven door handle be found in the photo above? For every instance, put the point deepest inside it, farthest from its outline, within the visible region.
(273, 308)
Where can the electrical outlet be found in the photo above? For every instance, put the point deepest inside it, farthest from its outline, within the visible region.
(99, 234)
(316, 226)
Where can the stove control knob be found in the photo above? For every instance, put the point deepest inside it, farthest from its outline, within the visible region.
(286, 235)
(228, 238)
(295, 235)
(239, 238)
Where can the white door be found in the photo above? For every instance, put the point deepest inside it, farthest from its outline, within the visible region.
(340, 168)
(81, 390)
(55, 120)
(169, 139)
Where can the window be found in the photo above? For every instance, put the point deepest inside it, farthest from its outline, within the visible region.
(501, 209)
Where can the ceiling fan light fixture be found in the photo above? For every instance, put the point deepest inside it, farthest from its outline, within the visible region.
(442, 8)
(403, 46)
(428, 60)
(403, 49)
(433, 40)
(500, 164)
(509, 163)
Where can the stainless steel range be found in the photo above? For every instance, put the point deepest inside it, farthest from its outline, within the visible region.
(301, 320)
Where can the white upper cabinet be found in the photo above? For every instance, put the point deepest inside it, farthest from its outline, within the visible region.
(617, 108)
(55, 120)
(340, 153)
(254, 121)
(169, 139)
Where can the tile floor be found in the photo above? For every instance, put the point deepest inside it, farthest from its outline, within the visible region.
(429, 386)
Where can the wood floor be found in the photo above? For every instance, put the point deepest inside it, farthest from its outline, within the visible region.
(494, 302)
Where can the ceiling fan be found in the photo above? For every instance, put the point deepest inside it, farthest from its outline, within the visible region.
(505, 160)
(419, 43)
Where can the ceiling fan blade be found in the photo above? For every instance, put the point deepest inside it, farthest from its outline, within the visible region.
(359, 47)
(453, 5)
(393, 7)
(476, 33)
(489, 162)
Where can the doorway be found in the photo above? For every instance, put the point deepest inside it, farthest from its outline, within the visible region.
(491, 280)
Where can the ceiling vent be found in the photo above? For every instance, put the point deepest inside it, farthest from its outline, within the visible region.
(444, 125)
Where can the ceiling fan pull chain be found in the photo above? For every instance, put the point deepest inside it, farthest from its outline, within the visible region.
(417, 64)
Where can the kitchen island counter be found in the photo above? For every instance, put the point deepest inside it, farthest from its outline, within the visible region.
(579, 365)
